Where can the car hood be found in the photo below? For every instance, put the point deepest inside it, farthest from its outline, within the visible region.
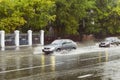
(105, 42)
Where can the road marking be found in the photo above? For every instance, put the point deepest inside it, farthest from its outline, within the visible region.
(29, 68)
(84, 76)
(71, 59)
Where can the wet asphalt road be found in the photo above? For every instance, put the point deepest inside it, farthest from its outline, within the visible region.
(86, 63)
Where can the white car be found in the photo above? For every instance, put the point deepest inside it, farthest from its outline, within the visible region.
(110, 41)
(58, 45)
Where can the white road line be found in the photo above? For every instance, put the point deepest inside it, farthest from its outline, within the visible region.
(84, 76)
(91, 58)
(72, 59)
(29, 68)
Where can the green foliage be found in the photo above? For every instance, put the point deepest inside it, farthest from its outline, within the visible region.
(65, 16)
(10, 18)
(11, 23)
(27, 14)
(38, 13)
(69, 13)
(106, 18)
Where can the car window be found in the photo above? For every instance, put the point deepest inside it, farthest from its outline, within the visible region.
(67, 42)
(62, 42)
(57, 42)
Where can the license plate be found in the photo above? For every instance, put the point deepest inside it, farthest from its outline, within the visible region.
(46, 50)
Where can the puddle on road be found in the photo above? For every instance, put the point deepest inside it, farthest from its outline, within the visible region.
(12, 67)
(66, 66)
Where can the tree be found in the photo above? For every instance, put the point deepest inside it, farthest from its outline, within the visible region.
(27, 14)
(69, 15)
(106, 17)
(38, 13)
(10, 18)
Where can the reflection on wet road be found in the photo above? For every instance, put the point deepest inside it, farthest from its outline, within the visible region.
(102, 64)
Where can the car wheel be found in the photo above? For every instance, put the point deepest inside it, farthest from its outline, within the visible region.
(99, 46)
(74, 48)
(58, 50)
(117, 44)
(108, 45)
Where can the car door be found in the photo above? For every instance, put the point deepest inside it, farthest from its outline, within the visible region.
(64, 45)
(67, 45)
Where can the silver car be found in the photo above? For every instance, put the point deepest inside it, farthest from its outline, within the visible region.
(110, 41)
(58, 45)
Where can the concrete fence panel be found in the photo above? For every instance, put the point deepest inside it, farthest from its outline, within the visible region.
(17, 39)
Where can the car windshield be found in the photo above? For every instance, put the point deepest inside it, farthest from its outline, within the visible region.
(107, 41)
(57, 42)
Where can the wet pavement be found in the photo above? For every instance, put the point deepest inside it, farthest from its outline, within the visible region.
(86, 63)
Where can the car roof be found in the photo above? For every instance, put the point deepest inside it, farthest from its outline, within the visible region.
(64, 39)
(111, 38)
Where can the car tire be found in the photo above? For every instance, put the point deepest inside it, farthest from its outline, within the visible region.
(74, 48)
(58, 50)
(99, 45)
(108, 45)
(117, 44)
